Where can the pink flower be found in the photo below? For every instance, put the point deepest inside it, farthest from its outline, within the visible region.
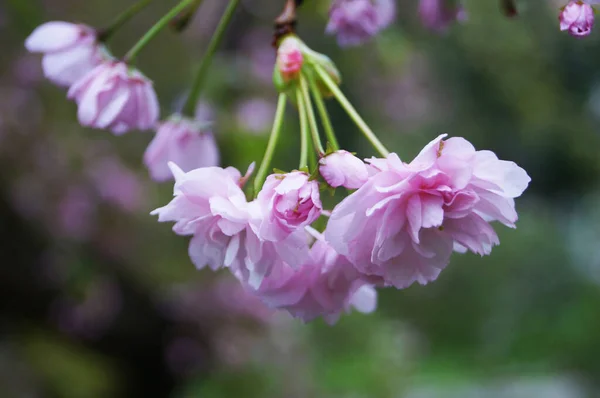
(288, 202)
(578, 18)
(325, 285)
(116, 97)
(402, 225)
(210, 205)
(70, 50)
(439, 14)
(289, 58)
(341, 168)
(184, 142)
(356, 21)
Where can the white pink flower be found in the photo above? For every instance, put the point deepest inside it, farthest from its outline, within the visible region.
(210, 206)
(577, 17)
(183, 141)
(401, 226)
(70, 50)
(343, 169)
(117, 97)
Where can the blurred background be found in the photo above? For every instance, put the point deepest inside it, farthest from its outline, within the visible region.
(97, 299)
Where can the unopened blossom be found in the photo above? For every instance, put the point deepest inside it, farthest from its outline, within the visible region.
(577, 17)
(290, 58)
(343, 169)
(355, 21)
(210, 206)
(326, 285)
(116, 97)
(70, 50)
(402, 225)
(288, 202)
(183, 141)
(437, 15)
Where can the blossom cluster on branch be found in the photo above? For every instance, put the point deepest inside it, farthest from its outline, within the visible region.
(399, 222)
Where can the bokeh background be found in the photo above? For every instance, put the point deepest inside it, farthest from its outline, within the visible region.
(97, 299)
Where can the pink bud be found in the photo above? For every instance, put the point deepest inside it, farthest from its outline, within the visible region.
(342, 168)
(184, 142)
(115, 97)
(578, 18)
(70, 50)
(289, 58)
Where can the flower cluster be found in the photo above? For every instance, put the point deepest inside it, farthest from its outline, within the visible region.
(399, 223)
(399, 227)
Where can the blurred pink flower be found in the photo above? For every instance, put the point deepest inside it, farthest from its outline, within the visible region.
(356, 21)
(183, 141)
(402, 225)
(577, 17)
(437, 15)
(341, 168)
(117, 97)
(91, 317)
(117, 184)
(70, 50)
(289, 202)
(255, 115)
(76, 211)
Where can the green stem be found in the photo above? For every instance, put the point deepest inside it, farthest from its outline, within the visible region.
(304, 141)
(261, 175)
(189, 107)
(181, 21)
(360, 123)
(329, 133)
(106, 33)
(312, 120)
(154, 30)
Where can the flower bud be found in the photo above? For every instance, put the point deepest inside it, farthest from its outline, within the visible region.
(577, 18)
(290, 58)
(341, 168)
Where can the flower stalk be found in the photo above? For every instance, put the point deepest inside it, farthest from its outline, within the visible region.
(312, 121)
(323, 114)
(122, 19)
(155, 30)
(304, 140)
(190, 105)
(261, 175)
(356, 118)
